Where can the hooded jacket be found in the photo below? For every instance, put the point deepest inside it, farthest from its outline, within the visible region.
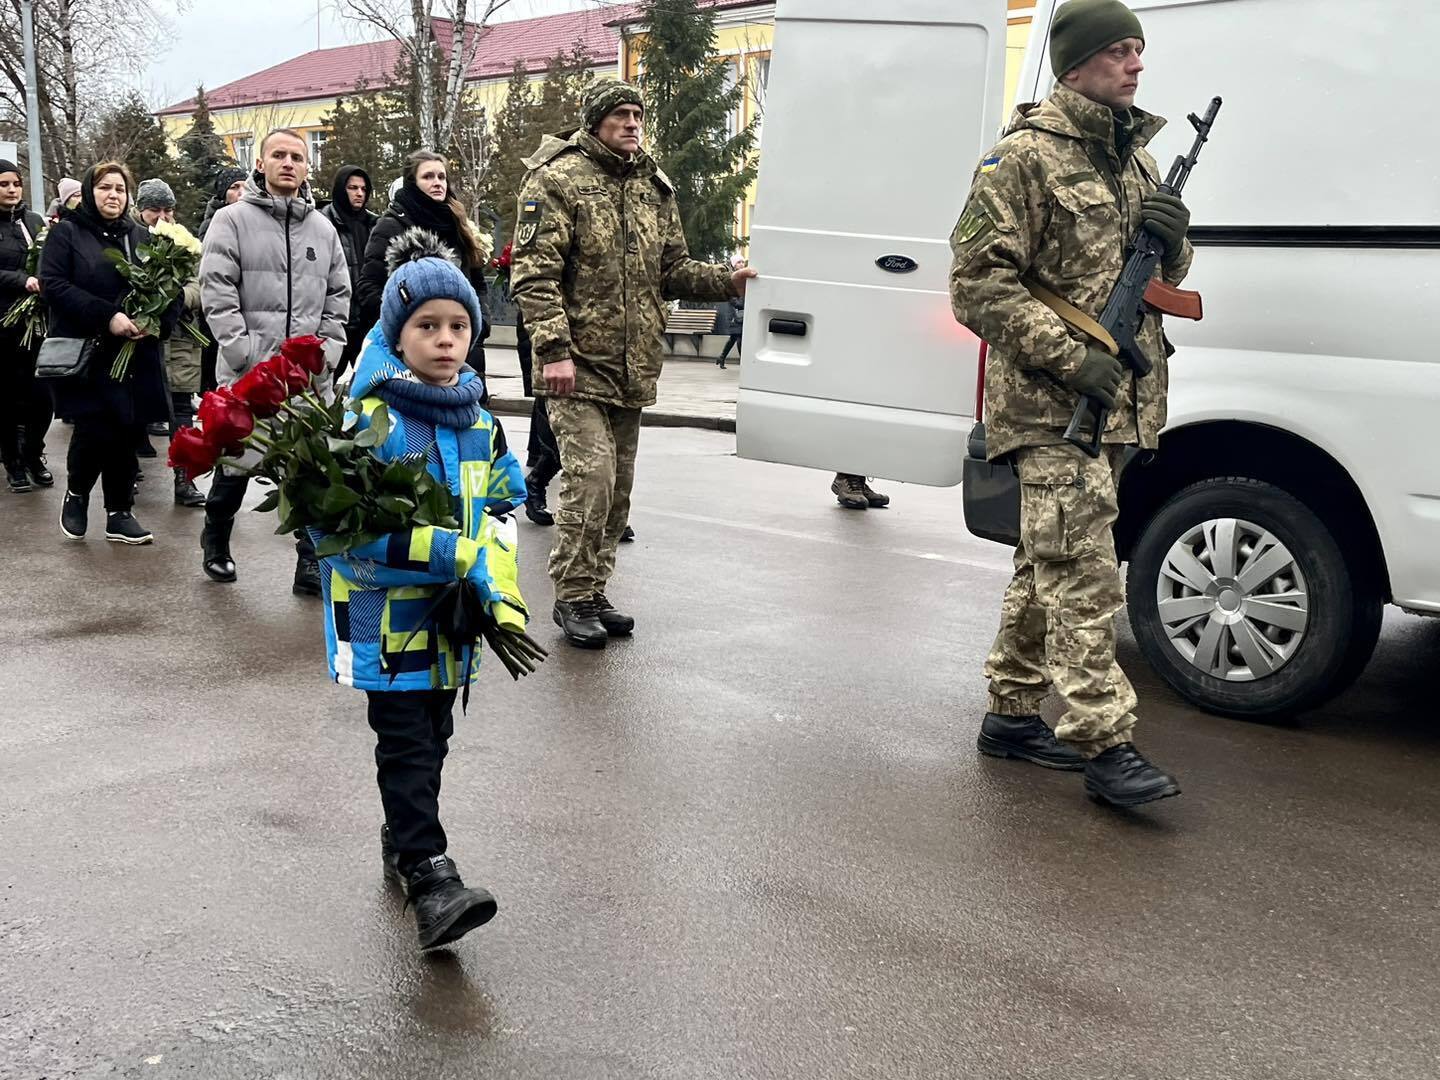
(272, 269)
(375, 595)
(354, 228)
(1055, 203)
(598, 250)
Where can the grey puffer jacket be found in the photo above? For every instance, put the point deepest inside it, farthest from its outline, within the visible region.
(272, 269)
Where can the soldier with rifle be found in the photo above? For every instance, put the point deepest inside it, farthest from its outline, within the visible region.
(1055, 212)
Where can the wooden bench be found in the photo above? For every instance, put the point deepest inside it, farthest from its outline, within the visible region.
(696, 322)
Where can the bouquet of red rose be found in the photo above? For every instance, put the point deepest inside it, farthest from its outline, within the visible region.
(501, 265)
(323, 471)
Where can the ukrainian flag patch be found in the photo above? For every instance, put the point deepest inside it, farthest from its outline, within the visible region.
(989, 164)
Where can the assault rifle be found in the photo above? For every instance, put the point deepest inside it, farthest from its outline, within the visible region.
(1125, 310)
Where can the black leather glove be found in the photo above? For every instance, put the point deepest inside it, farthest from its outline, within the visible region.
(1099, 376)
(1165, 216)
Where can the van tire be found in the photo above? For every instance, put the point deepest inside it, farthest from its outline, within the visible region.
(1342, 624)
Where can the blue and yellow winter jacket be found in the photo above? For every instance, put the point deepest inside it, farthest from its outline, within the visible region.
(376, 595)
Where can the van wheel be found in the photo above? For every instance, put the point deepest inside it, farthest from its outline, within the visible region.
(1240, 598)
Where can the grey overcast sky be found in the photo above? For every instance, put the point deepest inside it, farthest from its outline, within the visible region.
(219, 41)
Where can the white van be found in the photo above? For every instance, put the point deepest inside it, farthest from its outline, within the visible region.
(1297, 487)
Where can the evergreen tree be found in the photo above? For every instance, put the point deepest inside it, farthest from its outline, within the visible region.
(525, 119)
(687, 123)
(370, 129)
(202, 156)
(129, 133)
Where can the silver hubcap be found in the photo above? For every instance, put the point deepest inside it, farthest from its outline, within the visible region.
(1232, 600)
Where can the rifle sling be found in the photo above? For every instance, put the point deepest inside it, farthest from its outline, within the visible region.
(1073, 316)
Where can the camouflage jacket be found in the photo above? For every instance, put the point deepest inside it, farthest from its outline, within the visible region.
(598, 249)
(1055, 203)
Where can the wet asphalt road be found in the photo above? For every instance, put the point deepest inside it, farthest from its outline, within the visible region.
(755, 841)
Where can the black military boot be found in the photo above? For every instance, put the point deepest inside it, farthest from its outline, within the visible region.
(307, 576)
(616, 624)
(628, 536)
(215, 557)
(390, 858)
(580, 619)
(39, 474)
(186, 493)
(445, 910)
(1122, 777)
(1027, 738)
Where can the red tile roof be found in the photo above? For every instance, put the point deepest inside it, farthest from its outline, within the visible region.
(323, 73)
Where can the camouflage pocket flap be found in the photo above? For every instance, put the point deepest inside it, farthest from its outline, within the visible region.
(1077, 198)
(1050, 466)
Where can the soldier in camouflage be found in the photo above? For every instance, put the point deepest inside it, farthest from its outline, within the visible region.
(598, 250)
(1053, 206)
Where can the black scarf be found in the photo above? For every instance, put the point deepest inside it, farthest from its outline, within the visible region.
(88, 214)
(438, 217)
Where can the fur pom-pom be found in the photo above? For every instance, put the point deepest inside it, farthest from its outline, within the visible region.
(417, 243)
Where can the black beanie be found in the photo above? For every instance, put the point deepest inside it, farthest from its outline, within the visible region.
(9, 166)
(1082, 28)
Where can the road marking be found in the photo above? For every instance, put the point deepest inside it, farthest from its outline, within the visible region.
(997, 567)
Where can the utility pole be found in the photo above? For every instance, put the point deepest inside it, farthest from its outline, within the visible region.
(32, 108)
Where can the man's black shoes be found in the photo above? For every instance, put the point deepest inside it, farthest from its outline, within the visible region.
(580, 620)
(615, 623)
(1026, 738)
(1122, 777)
(445, 910)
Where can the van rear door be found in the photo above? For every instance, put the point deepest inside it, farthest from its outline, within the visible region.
(875, 117)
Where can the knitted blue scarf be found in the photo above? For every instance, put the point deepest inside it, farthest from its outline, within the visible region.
(443, 406)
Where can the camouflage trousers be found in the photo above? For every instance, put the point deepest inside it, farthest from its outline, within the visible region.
(1057, 623)
(597, 462)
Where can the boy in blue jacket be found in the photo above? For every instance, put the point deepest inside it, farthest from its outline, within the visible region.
(378, 595)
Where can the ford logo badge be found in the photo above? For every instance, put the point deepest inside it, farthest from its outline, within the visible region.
(897, 264)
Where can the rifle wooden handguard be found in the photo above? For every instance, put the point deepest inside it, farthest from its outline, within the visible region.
(1168, 300)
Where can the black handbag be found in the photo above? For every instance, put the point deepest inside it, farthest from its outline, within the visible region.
(64, 357)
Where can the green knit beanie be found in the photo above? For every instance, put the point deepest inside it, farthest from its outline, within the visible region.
(604, 97)
(1082, 28)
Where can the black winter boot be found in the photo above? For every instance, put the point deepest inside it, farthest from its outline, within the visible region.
(18, 477)
(39, 474)
(390, 858)
(580, 619)
(215, 557)
(445, 910)
(1120, 776)
(186, 493)
(1027, 738)
(307, 576)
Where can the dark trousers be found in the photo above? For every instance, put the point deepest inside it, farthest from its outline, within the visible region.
(25, 405)
(543, 452)
(209, 356)
(102, 448)
(732, 343)
(227, 493)
(412, 736)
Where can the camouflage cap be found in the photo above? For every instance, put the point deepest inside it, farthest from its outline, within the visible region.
(606, 96)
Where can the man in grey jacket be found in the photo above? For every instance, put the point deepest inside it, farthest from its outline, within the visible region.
(272, 269)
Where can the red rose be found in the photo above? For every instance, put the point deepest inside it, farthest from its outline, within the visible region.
(225, 420)
(295, 377)
(307, 351)
(190, 451)
(262, 390)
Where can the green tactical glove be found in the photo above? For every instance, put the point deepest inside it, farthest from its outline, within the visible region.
(1099, 376)
(1165, 216)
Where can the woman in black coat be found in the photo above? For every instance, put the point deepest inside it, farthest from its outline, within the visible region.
(424, 201)
(83, 291)
(25, 408)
